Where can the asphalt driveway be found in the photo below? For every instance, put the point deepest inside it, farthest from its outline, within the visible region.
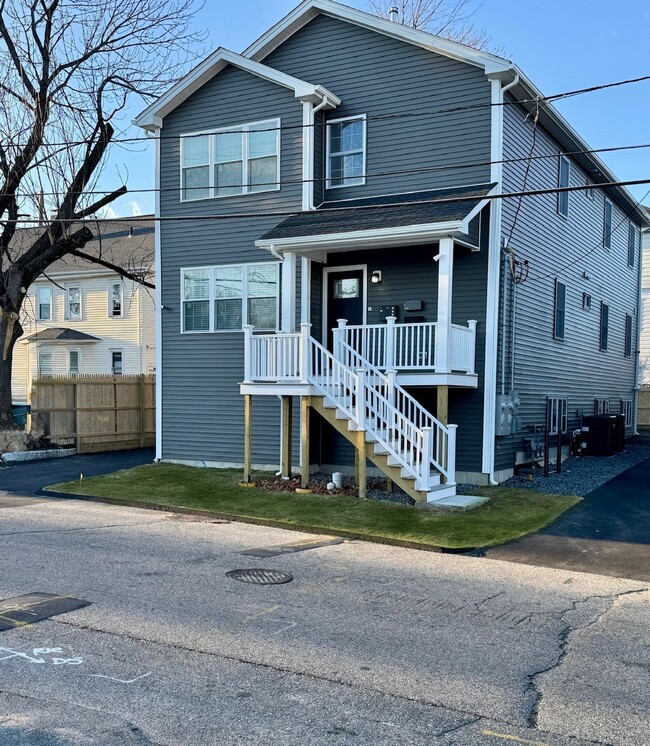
(607, 533)
(28, 478)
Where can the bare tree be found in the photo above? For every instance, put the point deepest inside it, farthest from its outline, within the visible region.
(451, 19)
(67, 70)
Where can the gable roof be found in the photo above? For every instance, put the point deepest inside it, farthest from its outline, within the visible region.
(117, 241)
(151, 118)
(309, 9)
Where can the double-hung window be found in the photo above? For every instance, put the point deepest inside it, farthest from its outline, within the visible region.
(117, 362)
(44, 364)
(115, 300)
(557, 415)
(604, 325)
(44, 304)
(632, 243)
(228, 297)
(601, 406)
(607, 224)
(73, 302)
(564, 177)
(628, 335)
(627, 409)
(236, 160)
(74, 362)
(560, 310)
(346, 152)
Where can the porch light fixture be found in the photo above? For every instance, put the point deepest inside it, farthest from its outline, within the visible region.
(375, 277)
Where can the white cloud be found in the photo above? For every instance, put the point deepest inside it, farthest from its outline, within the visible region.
(108, 213)
(135, 208)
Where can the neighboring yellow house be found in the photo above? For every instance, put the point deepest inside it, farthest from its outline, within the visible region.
(82, 318)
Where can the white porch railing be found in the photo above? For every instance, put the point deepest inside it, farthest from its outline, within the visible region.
(393, 346)
(370, 399)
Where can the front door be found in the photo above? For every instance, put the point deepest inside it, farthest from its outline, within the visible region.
(345, 298)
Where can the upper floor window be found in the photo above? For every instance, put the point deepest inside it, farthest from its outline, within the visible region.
(346, 152)
(44, 304)
(564, 176)
(73, 302)
(115, 300)
(628, 335)
(604, 325)
(230, 161)
(560, 310)
(228, 297)
(607, 224)
(632, 243)
(589, 191)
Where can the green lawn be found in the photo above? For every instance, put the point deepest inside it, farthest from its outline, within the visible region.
(509, 514)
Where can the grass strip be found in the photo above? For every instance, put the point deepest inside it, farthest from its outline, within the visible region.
(509, 514)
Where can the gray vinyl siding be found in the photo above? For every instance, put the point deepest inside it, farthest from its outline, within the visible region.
(203, 411)
(645, 313)
(563, 248)
(378, 76)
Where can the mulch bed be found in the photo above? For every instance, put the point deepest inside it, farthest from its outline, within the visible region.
(318, 484)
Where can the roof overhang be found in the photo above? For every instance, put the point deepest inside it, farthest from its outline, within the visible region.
(309, 9)
(151, 119)
(368, 239)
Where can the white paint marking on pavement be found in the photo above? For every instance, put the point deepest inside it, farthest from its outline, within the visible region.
(37, 654)
(121, 681)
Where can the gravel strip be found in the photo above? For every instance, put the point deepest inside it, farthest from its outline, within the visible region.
(581, 475)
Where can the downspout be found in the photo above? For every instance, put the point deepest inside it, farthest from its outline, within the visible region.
(504, 259)
(312, 128)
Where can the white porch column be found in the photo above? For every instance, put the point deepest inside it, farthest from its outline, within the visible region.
(288, 316)
(443, 327)
(305, 290)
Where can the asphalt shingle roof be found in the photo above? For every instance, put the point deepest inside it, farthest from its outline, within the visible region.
(61, 334)
(390, 211)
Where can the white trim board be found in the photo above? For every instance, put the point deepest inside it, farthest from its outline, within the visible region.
(334, 270)
(151, 118)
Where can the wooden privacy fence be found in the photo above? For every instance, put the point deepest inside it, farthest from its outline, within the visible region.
(96, 412)
(644, 406)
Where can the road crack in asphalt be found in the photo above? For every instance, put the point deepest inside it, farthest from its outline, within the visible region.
(83, 528)
(533, 690)
(49, 700)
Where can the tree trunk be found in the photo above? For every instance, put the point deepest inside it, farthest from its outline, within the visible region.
(10, 332)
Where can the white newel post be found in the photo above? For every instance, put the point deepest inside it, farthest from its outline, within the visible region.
(443, 327)
(248, 353)
(451, 455)
(288, 317)
(305, 371)
(427, 458)
(389, 351)
(338, 337)
(391, 375)
(472, 353)
(361, 398)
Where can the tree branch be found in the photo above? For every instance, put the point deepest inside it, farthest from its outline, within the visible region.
(116, 268)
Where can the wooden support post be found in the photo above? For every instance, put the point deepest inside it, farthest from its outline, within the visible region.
(361, 463)
(389, 484)
(442, 411)
(248, 428)
(305, 403)
(286, 437)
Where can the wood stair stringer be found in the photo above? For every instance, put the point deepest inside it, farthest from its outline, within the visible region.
(380, 460)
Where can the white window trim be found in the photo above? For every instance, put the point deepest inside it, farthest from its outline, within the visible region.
(111, 285)
(554, 404)
(211, 269)
(328, 152)
(607, 238)
(110, 360)
(44, 351)
(78, 351)
(601, 406)
(627, 408)
(38, 303)
(212, 162)
(561, 195)
(66, 301)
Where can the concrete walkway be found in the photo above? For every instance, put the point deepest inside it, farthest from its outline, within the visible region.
(608, 533)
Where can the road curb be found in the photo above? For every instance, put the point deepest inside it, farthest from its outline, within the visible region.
(351, 535)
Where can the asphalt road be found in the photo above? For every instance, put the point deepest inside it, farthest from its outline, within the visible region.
(367, 645)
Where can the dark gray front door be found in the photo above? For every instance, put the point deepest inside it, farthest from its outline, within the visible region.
(345, 299)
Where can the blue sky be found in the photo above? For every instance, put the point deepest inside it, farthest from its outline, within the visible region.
(560, 44)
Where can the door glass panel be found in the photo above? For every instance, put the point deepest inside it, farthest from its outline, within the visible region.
(349, 287)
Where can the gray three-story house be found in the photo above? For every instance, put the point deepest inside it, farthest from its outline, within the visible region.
(343, 279)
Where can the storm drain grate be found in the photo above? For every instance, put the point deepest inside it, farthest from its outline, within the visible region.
(260, 577)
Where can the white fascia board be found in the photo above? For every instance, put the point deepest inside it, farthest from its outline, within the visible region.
(309, 9)
(399, 235)
(471, 215)
(151, 118)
